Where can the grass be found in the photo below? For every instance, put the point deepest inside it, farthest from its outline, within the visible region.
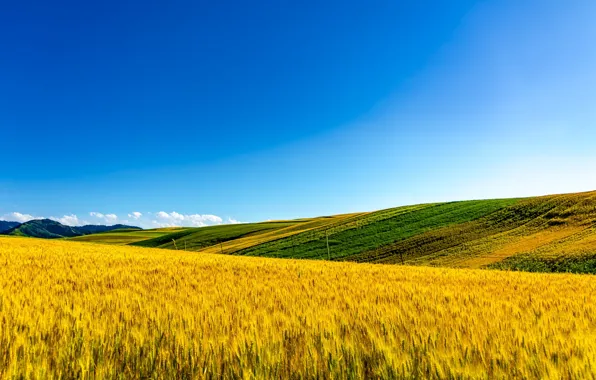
(433, 243)
(473, 234)
(197, 238)
(121, 237)
(79, 310)
(305, 226)
(561, 263)
(377, 229)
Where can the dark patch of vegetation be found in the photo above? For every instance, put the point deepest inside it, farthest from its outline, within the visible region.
(5, 225)
(559, 264)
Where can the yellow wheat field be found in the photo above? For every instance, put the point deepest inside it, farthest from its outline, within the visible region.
(81, 310)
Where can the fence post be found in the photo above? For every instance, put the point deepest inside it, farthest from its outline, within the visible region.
(328, 251)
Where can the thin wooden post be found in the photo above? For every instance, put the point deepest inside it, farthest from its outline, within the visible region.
(328, 251)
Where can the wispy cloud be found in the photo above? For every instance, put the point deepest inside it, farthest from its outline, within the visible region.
(135, 215)
(105, 218)
(69, 220)
(174, 218)
(137, 218)
(18, 217)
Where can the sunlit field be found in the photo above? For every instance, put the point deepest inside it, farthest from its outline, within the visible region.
(554, 233)
(85, 310)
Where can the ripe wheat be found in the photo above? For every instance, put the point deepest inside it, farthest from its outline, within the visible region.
(91, 311)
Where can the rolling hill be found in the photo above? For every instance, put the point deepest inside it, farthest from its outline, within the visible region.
(124, 236)
(51, 229)
(5, 225)
(555, 233)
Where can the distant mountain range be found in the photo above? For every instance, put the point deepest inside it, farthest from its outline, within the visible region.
(4, 225)
(50, 229)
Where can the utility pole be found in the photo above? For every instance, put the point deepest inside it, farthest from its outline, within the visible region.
(377, 239)
(221, 248)
(328, 251)
(175, 244)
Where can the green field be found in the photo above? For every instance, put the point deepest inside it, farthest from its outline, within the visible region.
(122, 237)
(375, 230)
(554, 233)
(197, 238)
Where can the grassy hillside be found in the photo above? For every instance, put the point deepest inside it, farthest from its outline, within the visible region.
(122, 237)
(304, 226)
(549, 233)
(93, 311)
(214, 239)
(43, 228)
(201, 237)
(5, 226)
(51, 229)
(460, 234)
(369, 232)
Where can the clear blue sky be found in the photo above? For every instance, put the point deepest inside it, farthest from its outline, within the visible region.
(194, 112)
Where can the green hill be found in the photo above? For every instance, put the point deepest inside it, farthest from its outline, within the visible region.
(123, 236)
(51, 229)
(5, 225)
(550, 233)
(43, 228)
(201, 237)
(98, 228)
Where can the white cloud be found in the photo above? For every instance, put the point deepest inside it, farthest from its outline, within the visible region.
(157, 224)
(202, 220)
(105, 218)
(174, 218)
(135, 215)
(147, 220)
(163, 215)
(174, 215)
(69, 220)
(18, 217)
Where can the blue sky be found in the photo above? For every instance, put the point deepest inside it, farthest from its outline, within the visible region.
(195, 113)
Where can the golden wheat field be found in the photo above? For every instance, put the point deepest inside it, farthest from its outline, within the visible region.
(90, 311)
